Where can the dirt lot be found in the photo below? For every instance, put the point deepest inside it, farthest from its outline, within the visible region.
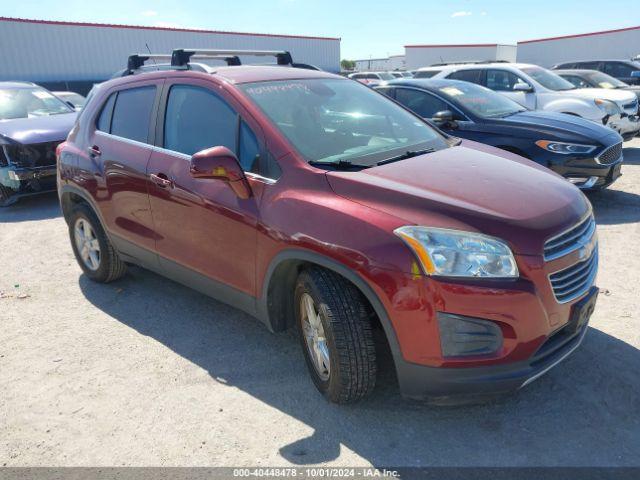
(147, 372)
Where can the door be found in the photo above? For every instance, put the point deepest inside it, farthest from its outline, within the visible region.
(204, 228)
(121, 145)
(507, 83)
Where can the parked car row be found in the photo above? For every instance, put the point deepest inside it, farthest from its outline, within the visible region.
(537, 88)
(586, 153)
(314, 202)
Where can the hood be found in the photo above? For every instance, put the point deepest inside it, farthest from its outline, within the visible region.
(471, 187)
(51, 128)
(560, 126)
(618, 96)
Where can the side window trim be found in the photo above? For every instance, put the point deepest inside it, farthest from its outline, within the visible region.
(151, 131)
(161, 119)
(452, 107)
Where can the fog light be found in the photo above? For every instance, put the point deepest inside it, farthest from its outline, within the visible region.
(466, 336)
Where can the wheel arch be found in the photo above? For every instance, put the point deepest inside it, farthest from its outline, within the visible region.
(275, 309)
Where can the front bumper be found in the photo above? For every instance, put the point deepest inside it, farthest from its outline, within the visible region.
(628, 126)
(23, 181)
(586, 174)
(447, 386)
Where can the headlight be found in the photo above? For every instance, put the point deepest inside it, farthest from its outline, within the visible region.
(607, 106)
(453, 253)
(565, 148)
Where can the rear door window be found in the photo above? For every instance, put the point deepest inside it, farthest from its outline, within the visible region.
(197, 119)
(473, 76)
(503, 80)
(132, 113)
(104, 120)
(618, 69)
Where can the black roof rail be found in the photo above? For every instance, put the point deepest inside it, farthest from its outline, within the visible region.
(182, 56)
(137, 60)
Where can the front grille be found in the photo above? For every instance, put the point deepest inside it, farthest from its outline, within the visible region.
(576, 280)
(611, 154)
(34, 155)
(570, 240)
(633, 106)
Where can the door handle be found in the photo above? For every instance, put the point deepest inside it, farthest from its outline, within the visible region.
(161, 180)
(94, 151)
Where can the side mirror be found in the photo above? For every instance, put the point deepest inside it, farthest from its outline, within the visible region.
(70, 104)
(444, 119)
(220, 163)
(522, 87)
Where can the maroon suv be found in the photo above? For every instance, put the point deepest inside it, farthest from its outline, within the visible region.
(309, 200)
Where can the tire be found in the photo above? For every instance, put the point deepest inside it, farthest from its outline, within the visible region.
(108, 266)
(346, 328)
(5, 196)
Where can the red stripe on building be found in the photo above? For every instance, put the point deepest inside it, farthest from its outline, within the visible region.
(170, 29)
(604, 32)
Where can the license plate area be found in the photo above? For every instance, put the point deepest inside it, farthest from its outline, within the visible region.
(582, 311)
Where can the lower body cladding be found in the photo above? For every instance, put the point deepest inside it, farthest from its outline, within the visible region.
(17, 182)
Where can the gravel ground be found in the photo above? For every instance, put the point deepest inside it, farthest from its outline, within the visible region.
(147, 372)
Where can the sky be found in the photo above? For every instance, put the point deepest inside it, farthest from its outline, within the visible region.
(369, 29)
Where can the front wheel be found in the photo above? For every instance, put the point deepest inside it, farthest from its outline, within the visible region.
(336, 335)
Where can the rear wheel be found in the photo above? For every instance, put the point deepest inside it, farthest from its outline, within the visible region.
(93, 250)
(336, 335)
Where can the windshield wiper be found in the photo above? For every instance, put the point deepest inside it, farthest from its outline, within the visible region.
(406, 155)
(338, 165)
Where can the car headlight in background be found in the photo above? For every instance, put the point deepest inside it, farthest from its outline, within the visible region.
(565, 148)
(607, 106)
(454, 253)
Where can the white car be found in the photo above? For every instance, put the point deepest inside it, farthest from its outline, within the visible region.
(540, 89)
(372, 79)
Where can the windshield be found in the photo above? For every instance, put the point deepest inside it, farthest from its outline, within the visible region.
(75, 98)
(480, 101)
(603, 80)
(548, 79)
(333, 120)
(386, 76)
(29, 103)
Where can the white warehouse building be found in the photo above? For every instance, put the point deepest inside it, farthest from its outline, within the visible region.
(623, 43)
(62, 55)
(425, 55)
(394, 62)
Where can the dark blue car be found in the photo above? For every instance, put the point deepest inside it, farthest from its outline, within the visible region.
(586, 153)
(33, 122)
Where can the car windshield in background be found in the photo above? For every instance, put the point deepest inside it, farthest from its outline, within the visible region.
(332, 120)
(386, 76)
(481, 101)
(29, 103)
(603, 80)
(548, 79)
(75, 98)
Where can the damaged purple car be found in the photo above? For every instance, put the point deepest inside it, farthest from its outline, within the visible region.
(33, 122)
